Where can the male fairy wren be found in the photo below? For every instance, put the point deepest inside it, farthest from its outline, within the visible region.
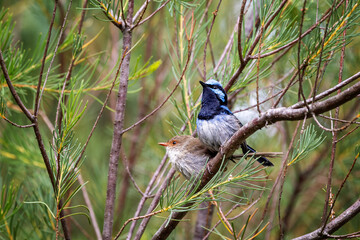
(216, 123)
(188, 155)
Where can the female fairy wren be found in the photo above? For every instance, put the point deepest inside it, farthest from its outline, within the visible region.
(188, 154)
(216, 123)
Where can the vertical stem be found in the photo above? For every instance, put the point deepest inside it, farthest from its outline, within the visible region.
(118, 128)
(181, 43)
(334, 137)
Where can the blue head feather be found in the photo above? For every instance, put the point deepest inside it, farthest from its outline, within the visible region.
(217, 88)
(213, 82)
(214, 100)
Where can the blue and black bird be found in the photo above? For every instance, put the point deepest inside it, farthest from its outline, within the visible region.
(216, 123)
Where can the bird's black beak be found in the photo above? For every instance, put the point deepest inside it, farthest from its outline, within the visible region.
(202, 83)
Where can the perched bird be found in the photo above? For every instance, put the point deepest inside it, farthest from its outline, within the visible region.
(216, 123)
(188, 154)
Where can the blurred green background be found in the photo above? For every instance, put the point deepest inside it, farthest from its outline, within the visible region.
(156, 43)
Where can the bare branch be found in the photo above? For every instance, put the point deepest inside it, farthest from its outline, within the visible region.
(141, 12)
(155, 201)
(37, 98)
(329, 91)
(241, 17)
(118, 130)
(90, 207)
(15, 124)
(334, 225)
(152, 14)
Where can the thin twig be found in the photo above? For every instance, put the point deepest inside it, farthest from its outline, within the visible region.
(15, 124)
(339, 190)
(90, 207)
(134, 219)
(279, 182)
(301, 70)
(329, 91)
(208, 38)
(37, 100)
(334, 225)
(321, 52)
(13, 91)
(326, 215)
(258, 72)
(152, 14)
(227, 47)
(155, 201)
(166, 99)
(102, 109)
(140, 12)
(241, 17)
(125, 160)
(347, 134)
(290, 44)
(252, 47)
(340, 120)
(221, 213)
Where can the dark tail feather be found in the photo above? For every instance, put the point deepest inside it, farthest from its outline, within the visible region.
(263, 160)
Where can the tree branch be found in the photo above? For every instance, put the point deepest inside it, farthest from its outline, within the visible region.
(334, 225)
(269, 117)
(37, 98)
(12, 89)
(118, 130)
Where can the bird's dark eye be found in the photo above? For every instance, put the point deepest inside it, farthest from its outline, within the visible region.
(174, 142)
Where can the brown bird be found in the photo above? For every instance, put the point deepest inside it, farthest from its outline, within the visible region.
(188, 154)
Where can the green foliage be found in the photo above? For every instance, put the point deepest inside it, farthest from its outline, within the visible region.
(66, 151)
(243, 175)
(77, 45)
(309, 141)
(164, 41)
(9, 204)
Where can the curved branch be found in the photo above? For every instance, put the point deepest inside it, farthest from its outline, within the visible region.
(13, 91)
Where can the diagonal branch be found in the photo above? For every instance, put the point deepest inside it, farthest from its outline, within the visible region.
(12, 89)
(269, 117)
(328, 91)
(152, 14)
(166, 99)
(252, 47)
(334, 225)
